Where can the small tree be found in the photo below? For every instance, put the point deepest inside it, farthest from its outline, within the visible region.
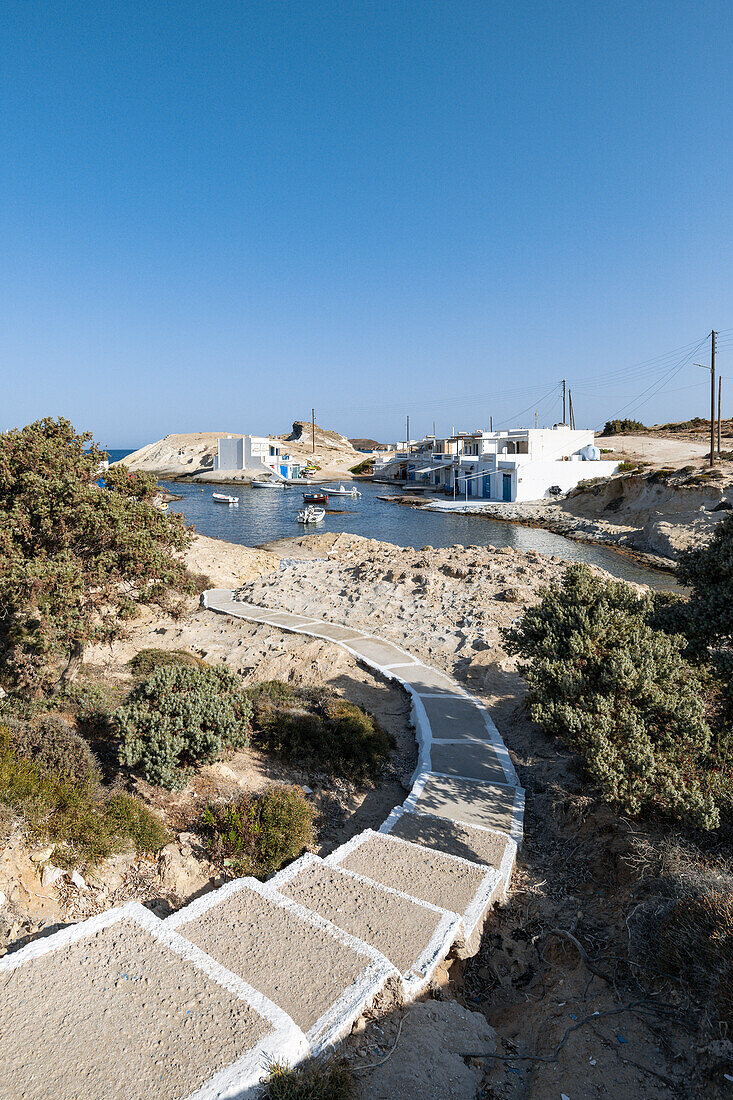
(76, 558)
(621, 694)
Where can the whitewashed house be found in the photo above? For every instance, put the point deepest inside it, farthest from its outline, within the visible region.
(520, 465)
(257, 453)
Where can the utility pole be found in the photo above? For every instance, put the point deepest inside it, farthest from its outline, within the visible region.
(720, 388)
(491, 423)
(563, 400)
(408, 435)
(433, 432)
(313, 431)
(713, 334)
(536, 414)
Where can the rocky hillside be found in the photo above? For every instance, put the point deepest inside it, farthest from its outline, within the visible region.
(190, 456)
(330, 450)
(179, 455)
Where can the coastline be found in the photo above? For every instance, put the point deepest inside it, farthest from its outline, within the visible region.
(566, 527)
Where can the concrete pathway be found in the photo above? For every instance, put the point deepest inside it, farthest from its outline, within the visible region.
(255, 971)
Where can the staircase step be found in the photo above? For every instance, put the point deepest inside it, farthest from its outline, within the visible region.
(491, 805)
(472, 842)
(377, 652)
(414, 935)
(323, 978)
(120, 1005)
(426, 680)
(333, 632)
(470, 759)
(448, 881)
(456, 717)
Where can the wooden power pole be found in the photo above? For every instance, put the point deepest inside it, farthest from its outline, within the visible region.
(720, 388)
(313, 431)
(563, 400)
(713, 334)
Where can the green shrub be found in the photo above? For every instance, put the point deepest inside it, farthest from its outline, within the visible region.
(85, 823)
(54, 747)
(316, 728)
(179, 717)
(256, 834)
(365, 467)
(313, 1082)
(622, 427)
(621, 694)
(146, 661)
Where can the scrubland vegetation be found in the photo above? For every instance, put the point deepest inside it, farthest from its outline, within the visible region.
(641, 685)
(81, 552)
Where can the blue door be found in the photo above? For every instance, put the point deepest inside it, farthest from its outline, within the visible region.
(506, 486)
(487, 485)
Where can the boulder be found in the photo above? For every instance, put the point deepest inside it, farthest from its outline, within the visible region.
(428, 1061)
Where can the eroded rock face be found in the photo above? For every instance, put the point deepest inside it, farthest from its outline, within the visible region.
(428, 1062)
(183, 869)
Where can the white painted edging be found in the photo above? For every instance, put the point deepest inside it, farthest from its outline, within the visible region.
(240, 1079)
(418, 977)
(419, 715)
(336, 1023)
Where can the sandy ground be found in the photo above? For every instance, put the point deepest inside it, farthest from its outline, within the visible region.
(658, 450)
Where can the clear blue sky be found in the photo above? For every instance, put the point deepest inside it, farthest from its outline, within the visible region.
(216, 215)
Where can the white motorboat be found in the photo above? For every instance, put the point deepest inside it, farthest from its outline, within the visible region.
(309, 514)
(224, 498)
(265, 484)
(342, 491)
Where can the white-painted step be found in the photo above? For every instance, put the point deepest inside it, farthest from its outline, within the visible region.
(447, 881)
(121, 1006)
(490, 805)
(414, 935)
(323, 978)
(473, 842)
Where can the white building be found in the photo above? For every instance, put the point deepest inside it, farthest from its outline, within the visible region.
(520, 465)
(258, 453)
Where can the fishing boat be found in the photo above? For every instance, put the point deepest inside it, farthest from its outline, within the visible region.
(342, 491)
(315, 498)
(224, 498)
(265, 484)
(309, 514)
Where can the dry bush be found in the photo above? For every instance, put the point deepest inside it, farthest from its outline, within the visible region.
(695, 944)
